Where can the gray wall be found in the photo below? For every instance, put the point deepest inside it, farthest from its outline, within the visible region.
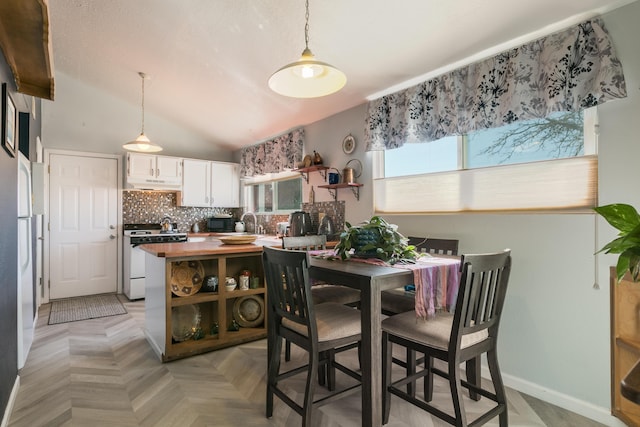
(8, 262)
(555, 339)
(9, 237)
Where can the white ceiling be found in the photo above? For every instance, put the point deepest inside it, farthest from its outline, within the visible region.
(209, 60)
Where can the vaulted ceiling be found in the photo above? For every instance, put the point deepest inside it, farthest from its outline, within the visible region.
(209, 60)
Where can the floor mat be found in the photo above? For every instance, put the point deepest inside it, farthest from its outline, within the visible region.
(83, 308)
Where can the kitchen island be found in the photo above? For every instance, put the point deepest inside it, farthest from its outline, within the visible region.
(181, 319)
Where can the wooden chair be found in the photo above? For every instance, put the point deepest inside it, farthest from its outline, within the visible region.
(397, 300)
(322, 330)
(472, 330)
(435, 246)
(321, 292)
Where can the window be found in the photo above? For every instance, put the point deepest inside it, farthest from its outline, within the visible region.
(541, 164)
(276, 193)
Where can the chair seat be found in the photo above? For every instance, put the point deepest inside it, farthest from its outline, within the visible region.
(434, 332)
(397, 301)
(334, 293)
(334, 321)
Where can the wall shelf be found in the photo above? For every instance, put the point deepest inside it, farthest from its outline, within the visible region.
(322, 170)
(333, 189)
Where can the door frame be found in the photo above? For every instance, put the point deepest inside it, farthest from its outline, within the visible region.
(46, 231)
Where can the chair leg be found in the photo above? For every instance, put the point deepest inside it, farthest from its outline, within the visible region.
(287, 351)
(473, 376)
(411, 369)
(387, 362)
(331, 370)
(428, 378)
(456, 393)
(498, 385)
(274, 349)
(307, 405)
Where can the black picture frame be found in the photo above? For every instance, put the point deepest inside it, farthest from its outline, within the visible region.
(8, 122)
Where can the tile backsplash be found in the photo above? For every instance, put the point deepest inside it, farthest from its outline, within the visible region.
(146, 207)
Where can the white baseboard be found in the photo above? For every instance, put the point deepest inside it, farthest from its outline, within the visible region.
(11, 402)
(570, 403)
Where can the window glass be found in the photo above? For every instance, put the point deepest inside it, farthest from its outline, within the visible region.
(558, 136)
(275, 196)
(544, 165)
(411, 159)
(289, 194)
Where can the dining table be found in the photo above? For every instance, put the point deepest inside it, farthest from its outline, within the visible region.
(371, 278)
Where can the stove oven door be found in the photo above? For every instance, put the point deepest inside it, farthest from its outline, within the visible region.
(134, 271)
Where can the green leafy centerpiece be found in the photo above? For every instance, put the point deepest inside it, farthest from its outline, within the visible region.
(375, 238)
(627, 221)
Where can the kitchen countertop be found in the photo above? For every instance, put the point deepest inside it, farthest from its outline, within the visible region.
(210, 245)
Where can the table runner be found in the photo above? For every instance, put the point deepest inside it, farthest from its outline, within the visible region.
(436, 280)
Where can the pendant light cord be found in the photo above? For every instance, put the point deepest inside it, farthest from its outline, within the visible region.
(306, 26)
(142, 75)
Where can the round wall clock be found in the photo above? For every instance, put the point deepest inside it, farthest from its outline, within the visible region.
(348, 144)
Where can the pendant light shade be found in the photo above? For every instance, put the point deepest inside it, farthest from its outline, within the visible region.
(141, 143)
(307, 77)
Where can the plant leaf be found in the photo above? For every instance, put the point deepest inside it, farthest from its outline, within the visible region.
(621, 216)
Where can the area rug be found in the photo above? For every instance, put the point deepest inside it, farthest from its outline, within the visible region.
(83, 308)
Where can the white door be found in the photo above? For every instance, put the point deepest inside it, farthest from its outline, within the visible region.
(83, 206)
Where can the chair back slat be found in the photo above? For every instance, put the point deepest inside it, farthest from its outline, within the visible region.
(435, 246)
(483, 286)
(305, 243)
(288, 287)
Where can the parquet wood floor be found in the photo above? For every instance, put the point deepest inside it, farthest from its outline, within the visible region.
(102, 372)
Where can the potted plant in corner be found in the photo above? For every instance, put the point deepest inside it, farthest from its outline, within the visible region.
(626, 220)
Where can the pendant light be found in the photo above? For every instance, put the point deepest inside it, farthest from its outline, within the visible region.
(142, 143)
(307, 77)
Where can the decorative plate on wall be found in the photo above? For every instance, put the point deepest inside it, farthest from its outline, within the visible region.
(348, 144)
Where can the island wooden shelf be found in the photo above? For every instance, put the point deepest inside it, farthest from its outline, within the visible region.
(211, 325)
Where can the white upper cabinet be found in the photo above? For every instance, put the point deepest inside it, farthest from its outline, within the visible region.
(210, 184)
(154, 172)
(196, 183)
(225, 184)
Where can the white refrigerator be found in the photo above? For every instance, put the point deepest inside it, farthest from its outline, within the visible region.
(25, 262)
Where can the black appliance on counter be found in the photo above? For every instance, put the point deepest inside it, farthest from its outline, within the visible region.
(300, 224)
(221, 225)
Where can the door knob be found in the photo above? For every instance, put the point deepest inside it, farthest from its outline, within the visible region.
(112, 237)
(112, 227)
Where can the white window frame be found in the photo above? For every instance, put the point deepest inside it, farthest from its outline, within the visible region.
(561, 185)
(247, 182)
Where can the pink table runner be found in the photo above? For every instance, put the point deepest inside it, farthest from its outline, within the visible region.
(436, 280)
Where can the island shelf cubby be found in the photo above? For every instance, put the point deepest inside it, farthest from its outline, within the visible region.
(212, 308)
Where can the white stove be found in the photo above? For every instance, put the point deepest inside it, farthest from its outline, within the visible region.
(134, 257)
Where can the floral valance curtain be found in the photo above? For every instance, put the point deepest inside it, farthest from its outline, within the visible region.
(566, 71)
(276, 155)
